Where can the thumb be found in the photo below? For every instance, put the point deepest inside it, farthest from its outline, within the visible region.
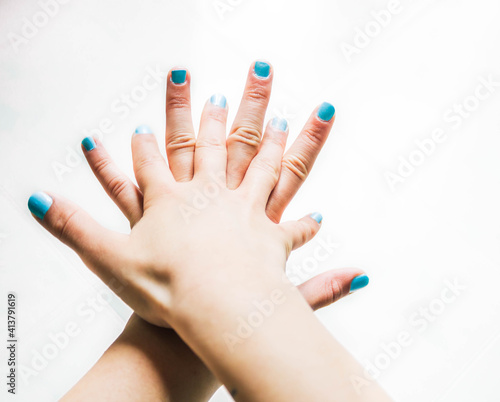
(328, 287)
(300, 232)
(97, 247)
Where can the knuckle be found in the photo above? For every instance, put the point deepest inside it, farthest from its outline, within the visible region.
(247, 135)
(296, 165)
(269, 166)
(306, 232)
(314, 134)
(101, 165)
(333, 290)
(217, 114)
(146, 163)
(64, 225)
(210, 142)
(180, 140)
(258, 94)
(178, 102)
(303, 235)
(117, 186)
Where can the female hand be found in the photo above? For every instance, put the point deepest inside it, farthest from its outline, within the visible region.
(273, 143)
(242, 144)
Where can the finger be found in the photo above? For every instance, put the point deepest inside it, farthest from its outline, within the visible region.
(101, 249)
(210, 153)
(125, 194)
(179, 133)
(264, 171)
(329, 287)
(300, 232)
(245, 135)
(151, 171)
(299, 159)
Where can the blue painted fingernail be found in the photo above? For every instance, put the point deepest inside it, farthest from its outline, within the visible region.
(39, 203)
(317, 217)
(143, 129)
(326, 111)
(218, 100)
(279, 123)
(88, 143)
(261, 69)
(179, 76)
(359, 282)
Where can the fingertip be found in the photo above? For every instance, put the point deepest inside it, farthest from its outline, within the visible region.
(218, 100)
(143, 129)
(359, 282)
(317, 217)
(325, 112)
(178, 75)
(262, 69)
(279, 124)
(88, 144)
(39, 204)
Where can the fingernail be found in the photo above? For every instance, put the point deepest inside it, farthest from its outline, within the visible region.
(218, 100)
(39, 203)
(359, 282)
(88, 143)
(261, 69)
(143, 129)
(279, 123)
(317, 217)
(178, 76)
(326, 111)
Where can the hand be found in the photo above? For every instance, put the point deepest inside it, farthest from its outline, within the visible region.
(241, 148)
(118, 186)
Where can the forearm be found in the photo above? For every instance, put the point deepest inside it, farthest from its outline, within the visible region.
(146, 363)
(266, 344)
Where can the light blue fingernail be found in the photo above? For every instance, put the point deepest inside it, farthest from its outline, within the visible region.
(179, 76)
(143, 129)
(359, 282)
(39, 203)
(261, 69)
(326, 111)
(279, 123)
(218, 100)
(317, 217)
(88, 143)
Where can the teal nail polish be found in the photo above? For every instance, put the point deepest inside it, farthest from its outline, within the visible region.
(39, 203)
(143, 129)
(326, 111)
(261, 69)
(359, 282)
(218, 100)
(179, 76)
(279, 123)
(317, 217)
(88, 143)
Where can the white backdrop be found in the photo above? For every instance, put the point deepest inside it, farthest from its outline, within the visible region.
(408, 183)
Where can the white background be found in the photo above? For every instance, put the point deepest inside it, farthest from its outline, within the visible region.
(439, 225)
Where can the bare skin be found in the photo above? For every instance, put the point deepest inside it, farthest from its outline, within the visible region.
(257, 167)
